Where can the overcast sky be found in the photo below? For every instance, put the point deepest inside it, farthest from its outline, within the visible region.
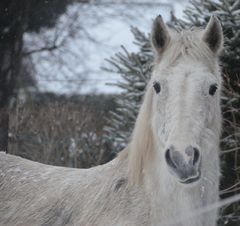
(101, 30)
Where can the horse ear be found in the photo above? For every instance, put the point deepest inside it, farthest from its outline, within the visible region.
(160, 34)
(213, 35)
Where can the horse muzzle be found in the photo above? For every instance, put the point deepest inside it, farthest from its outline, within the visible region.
(184, 166)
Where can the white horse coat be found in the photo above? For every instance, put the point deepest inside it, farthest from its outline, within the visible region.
(169, 169)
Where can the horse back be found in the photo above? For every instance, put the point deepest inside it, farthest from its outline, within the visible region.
(36, 194)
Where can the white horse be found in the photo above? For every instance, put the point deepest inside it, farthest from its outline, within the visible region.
(169, 169)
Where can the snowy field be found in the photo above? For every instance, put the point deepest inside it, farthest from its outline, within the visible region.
(93, 33)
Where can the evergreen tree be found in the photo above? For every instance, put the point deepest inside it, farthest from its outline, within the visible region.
(135, 70)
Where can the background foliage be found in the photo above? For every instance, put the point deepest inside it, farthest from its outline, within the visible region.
(61, 130)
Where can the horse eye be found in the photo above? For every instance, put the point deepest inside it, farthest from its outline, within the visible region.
(213, 89)
(157, 87)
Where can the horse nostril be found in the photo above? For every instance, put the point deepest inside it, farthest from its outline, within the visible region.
(169, 159)
(196, 155)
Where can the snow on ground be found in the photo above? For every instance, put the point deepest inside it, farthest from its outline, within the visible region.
(98, 33)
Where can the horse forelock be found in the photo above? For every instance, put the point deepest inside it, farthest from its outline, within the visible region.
(188, 45)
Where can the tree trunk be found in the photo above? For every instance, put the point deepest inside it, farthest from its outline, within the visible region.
(13, 20)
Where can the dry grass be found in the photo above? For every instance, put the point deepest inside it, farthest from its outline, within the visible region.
(63, 134)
